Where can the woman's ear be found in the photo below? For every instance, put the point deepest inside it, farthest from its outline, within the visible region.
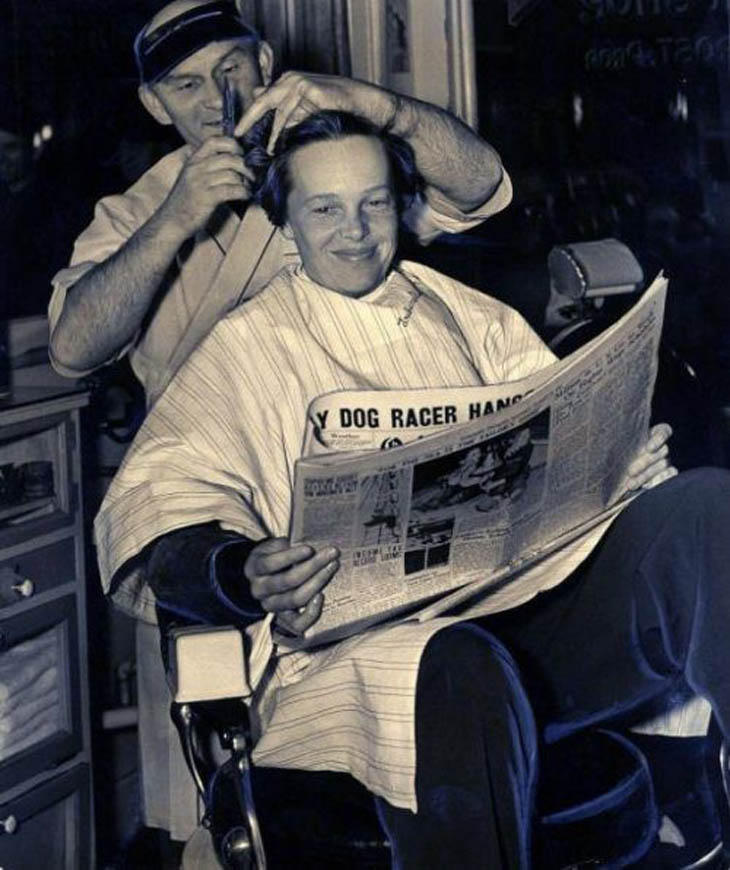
(154, 105)
(266, 62)
(287, 232)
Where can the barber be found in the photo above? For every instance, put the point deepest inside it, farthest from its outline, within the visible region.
(156, 267)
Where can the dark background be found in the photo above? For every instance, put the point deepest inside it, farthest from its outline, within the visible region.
(68, 65)
(613, 119)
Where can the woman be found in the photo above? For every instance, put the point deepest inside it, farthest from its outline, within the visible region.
(433, 718)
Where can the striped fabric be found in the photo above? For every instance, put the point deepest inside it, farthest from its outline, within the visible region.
(221, 442)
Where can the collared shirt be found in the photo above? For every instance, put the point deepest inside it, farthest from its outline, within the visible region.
(221, 443)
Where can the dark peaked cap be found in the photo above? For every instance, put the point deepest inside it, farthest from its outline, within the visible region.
(158, 51)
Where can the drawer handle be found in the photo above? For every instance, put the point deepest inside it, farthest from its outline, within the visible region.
(9, 825)
(25, 588)
(14, 586)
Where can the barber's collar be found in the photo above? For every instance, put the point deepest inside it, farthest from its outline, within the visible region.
(165, 47)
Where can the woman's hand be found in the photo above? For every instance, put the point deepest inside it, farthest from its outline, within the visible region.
(288, 580)
(652, 464)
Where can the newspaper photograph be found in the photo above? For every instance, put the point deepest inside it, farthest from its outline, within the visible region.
(485, 480)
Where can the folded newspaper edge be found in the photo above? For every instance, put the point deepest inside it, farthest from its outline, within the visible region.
(335, 481)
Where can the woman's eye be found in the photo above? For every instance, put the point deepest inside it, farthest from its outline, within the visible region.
(186, 86)
(230, 68)
(324, 209)
(379, 202)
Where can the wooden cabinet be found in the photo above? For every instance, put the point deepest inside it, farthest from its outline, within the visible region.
(45, 762)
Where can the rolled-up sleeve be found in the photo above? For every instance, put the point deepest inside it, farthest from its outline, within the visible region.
(116, 219)
(114, 223)
(434, 213)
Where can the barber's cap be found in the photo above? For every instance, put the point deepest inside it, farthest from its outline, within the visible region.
(158, 51)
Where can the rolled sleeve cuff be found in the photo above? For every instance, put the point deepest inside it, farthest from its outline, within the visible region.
(224, 578)
(197, 572)
(61, 282)
(436, 213)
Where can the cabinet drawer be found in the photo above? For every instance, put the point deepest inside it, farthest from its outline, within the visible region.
(46, 567)
(40, 703)
(38, 477)
(48, 827)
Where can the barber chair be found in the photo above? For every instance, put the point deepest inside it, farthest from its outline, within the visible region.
(591, 285)
(598, 805)
(650, 793)
(298, 818)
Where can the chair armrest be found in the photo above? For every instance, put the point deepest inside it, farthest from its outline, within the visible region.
(207, 663)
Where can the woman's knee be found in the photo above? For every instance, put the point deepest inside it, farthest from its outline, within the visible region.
(707, 480)
(475, 730)
(702, 488)
(463, 662)
(701, 506)
(674, 513)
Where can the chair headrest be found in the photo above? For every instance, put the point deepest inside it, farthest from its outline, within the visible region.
(601, 268)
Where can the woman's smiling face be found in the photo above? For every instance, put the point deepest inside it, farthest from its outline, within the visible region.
(342, 213)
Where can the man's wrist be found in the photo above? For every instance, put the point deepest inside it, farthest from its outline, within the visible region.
(166, 229)
(392, 114)
(403, 117)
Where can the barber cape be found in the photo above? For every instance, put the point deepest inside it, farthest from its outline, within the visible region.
(220, 444)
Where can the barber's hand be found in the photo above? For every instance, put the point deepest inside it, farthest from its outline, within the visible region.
(296, 95)
(213, 174)
(652, 465)
(288, 580)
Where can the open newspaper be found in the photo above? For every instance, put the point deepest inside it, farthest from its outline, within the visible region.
(435, 496)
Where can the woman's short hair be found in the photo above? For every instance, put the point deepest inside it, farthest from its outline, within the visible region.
(328, 125)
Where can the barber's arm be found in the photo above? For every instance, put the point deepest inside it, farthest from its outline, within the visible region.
(208, 575)
(105, 308)
(450, 156)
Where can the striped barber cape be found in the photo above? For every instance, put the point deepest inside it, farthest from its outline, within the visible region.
(221, 443)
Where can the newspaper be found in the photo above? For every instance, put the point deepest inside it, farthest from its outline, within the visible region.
(434, 496)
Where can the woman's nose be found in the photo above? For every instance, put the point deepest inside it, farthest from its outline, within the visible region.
(355, 226)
